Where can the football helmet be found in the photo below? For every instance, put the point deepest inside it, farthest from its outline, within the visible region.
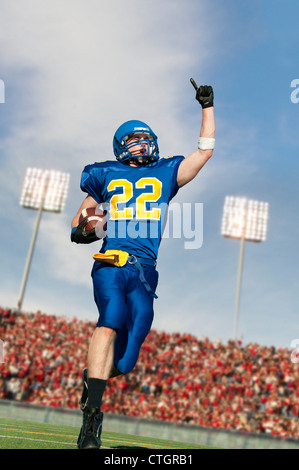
(144, 136)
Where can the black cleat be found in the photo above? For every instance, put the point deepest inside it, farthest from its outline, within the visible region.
(90, 433)
(84, 397)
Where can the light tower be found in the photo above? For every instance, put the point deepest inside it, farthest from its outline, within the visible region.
(245, 220)
(43, 190)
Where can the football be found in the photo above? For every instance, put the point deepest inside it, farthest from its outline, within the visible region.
(96, 218)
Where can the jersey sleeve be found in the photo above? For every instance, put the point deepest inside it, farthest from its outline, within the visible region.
(91, 182)
(174, 163)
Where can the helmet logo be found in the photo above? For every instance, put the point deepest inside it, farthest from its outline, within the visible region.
(145, 129)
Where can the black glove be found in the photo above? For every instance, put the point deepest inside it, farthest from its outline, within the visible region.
(205, 96)
(80, 236)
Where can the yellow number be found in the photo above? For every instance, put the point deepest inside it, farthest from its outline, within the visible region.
(141, 200)
(127, 212)
(153, 196)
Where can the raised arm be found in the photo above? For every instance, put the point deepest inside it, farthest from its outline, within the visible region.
(192, 164)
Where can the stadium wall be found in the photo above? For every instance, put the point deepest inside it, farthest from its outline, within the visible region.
(148, 428)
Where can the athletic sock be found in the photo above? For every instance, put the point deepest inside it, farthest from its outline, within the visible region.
(96, 388)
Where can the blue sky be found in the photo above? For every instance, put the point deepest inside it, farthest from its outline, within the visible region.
(75, 70)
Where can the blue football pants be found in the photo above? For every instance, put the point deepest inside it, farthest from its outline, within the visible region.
(126, 306)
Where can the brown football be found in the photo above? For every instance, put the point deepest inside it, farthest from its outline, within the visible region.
(96, 218)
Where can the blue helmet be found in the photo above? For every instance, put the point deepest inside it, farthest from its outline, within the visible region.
(149, 139)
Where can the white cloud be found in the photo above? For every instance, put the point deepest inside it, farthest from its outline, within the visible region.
(93, 64)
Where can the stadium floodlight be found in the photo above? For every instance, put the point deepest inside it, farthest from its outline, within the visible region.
(245, 220)
(43, 190)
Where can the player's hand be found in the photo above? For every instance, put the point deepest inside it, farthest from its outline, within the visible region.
(80, 236)
(205, 96)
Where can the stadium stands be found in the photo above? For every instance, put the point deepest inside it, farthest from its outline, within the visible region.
(179, 378)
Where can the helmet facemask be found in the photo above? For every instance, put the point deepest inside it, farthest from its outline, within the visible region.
(141, 147)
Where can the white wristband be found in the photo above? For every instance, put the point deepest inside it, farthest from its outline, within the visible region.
(205, 143)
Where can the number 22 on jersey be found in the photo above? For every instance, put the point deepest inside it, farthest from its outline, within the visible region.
(152, 193)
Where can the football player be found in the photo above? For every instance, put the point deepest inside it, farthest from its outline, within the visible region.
(136, 189)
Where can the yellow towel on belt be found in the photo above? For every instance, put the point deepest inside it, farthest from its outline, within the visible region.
(114, 257)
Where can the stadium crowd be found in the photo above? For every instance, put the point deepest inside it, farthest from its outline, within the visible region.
(178, 378)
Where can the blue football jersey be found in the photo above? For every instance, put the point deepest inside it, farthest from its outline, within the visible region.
(136, 200)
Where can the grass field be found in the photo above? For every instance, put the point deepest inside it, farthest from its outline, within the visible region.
(15, 434)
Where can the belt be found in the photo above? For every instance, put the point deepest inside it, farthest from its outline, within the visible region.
(139, 263)
(121, 258)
